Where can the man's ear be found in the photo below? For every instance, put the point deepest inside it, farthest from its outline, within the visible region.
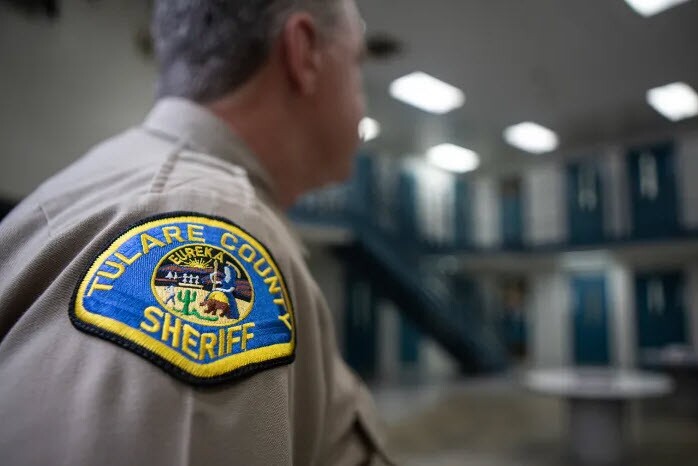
(300, 42)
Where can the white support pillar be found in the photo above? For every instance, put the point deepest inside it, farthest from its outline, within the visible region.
(622, 321)
(486, 228)
(687, 170)
(692, 305)
(614, 194)
(545, 207)
(550, 320)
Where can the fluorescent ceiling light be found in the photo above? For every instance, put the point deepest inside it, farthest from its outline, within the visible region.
(531, 137)
(453, 158)
(427, 93)
(675, 101)
(652, 7)
(369, 129)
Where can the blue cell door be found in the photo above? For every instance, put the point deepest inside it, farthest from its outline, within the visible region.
(590, 316)
(362, 188)
(360, 327)
(511, 213)
(660, 309)
(653, 191)
(513, 317)
(409, 343)
(407, 206)
(584, 203)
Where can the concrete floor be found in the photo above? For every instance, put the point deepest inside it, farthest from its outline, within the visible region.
(494, 422)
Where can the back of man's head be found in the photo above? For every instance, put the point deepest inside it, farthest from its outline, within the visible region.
(208, 48)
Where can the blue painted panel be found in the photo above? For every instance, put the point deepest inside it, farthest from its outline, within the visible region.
(590, 316)
(362, 195)
(409, 342)
(463, 214)
(660, 309)
(513, 329)
(653, 193)
(407, 216)
(511, 213)
(584, 203)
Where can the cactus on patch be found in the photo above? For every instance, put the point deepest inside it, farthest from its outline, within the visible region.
(186, 299)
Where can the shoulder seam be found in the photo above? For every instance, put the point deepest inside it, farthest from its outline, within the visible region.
(157, 185)
(43, 211)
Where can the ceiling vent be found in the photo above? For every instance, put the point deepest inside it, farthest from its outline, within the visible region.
(382, 46)
(47, 8)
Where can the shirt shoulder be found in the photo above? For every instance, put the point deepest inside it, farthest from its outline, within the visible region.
(133, 167)
(181, 240)
(201, 293)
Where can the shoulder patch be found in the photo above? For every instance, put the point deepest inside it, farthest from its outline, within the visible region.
(194, 294)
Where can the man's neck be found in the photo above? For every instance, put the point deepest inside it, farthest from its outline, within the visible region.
(268, 128)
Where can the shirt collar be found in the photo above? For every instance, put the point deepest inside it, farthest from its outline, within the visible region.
(196, 128)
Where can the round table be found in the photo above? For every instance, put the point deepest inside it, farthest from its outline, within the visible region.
(597, 399)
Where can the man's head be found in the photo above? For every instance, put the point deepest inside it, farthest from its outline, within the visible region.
(286, 64)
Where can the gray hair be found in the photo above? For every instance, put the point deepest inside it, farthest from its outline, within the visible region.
(208, 48)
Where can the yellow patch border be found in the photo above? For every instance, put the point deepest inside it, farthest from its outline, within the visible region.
(217, 369)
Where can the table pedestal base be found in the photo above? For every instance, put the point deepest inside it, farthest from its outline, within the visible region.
(597, 431)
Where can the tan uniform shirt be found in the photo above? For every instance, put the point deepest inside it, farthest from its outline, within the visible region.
(71, 398)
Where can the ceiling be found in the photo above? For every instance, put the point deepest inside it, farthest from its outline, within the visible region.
(579, 67)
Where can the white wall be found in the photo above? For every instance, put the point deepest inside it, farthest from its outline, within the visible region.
(434, 361)
(615, 193)
(549, 320)
(435, 204)
(550, 310)
(622, 322)
(692, 305)
(545, 209)
(486, 228)
(553, 290)
(687, 170)
(65, 85)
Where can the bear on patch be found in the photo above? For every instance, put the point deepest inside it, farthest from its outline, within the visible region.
(221, 300)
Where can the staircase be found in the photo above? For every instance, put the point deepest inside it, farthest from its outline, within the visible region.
(394, 264)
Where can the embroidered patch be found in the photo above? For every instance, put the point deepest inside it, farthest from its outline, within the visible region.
(196, 295)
